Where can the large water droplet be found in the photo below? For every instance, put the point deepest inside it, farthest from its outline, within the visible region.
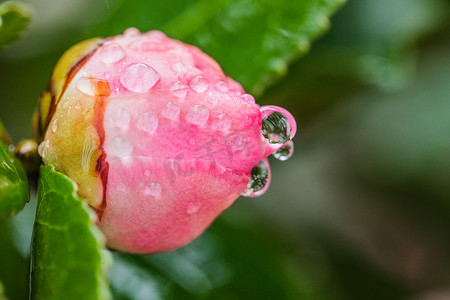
(259, 179)
(170, 111)
(153, 189)
(148, 122)
(121, 146)
(197, 115)
(199, 84)
(112, 53)
(278, 125)
(178, 89)
(139, 77)
(285, 152)
(43, 147)
(121, 119)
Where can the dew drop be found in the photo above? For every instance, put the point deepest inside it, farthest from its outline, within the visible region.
(148, 122)
(121, 119)
(121, 146)
(278, 125)
(193, 208)
(221, 87)
(170, 111)
(285, 152)
(55, 125)
(153, 189)
(111, 53)
(259, 179)
(131, 32)
(178, 89)
(179, 68)
(85, 86)
(248, 98)
(43, 147)
(197, 115)
(222, 123)
(199, 84)
(139, 77)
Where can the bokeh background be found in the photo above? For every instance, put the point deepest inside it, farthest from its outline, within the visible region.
(362, 209)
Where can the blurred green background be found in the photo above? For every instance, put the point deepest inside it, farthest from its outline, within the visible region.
(362, 209)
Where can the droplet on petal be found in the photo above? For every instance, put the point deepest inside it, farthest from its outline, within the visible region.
(171, 111)
(121, 146)
(131, 32)
(178, 89)
(199, 84)
(111, 53)
(221, 87)
(153, 189)
(148, 122)
(139, 77)
(121, 119)
(193, 208)
(259, 179)
(85, 86)
(285, 152)
(278, 125)
(248, 98)
(197, 115)
(222, 123)
(179, 68)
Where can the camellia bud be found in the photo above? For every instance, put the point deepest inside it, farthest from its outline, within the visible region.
(159, 140)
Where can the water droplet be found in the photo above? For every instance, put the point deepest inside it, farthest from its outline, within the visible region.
(55, 125)
(139, 77)
(221, 87)
(111, 53)
(222, 123)
(259, 179)
(278, 125)
(178, 89)
(131, 32)
(85, 86)
(199, 84)
(170, 111)
(285, 152)
(147, 173)
(148, 122)
(121, 146)
(121, 119)
(248, 98)
(153, 189)
(179, 68)
(193, 208)
(43, 147)
(197, 115)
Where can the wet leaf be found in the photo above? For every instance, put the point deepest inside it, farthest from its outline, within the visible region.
(68, 259)
(272, 33)
(14, 19)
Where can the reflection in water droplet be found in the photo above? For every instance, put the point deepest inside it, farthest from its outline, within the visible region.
(199, 84)
(259, 179)
(139, 77)
(193, 208)
(178, 89)
(278, 125)
(148, 122)
(197, 115)
(285, 152)
(153, 189)
(111, 53)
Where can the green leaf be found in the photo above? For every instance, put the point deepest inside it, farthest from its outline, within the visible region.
(68, 259)
(14, 190)
(253, 40)
(14, 19)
